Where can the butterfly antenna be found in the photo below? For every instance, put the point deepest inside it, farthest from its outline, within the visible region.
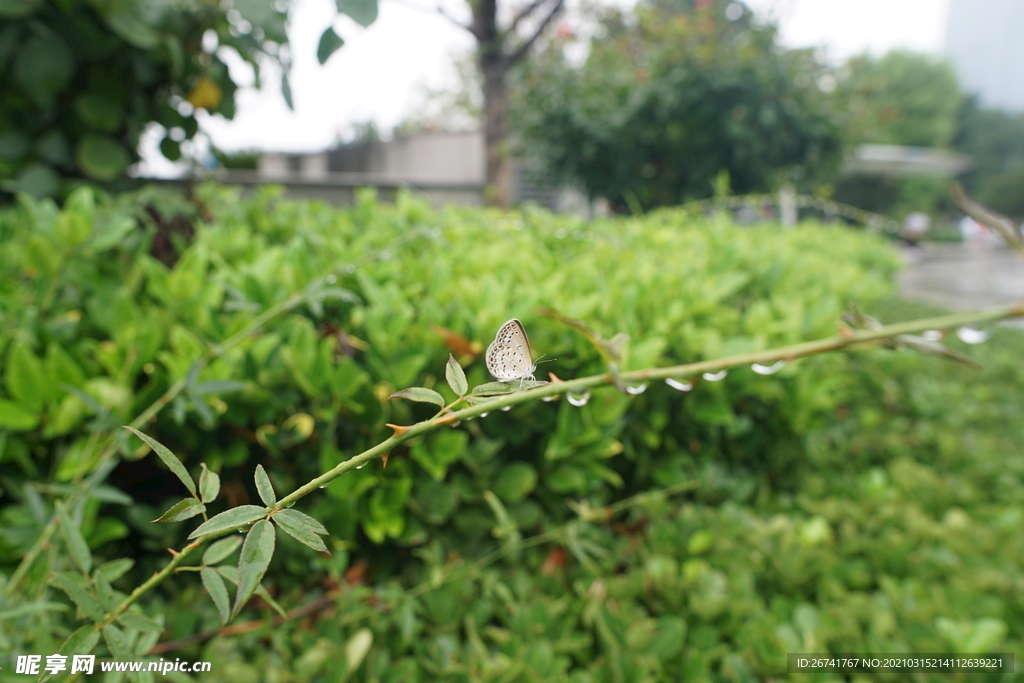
(543, 361)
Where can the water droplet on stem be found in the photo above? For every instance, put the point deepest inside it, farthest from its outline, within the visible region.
(715, 376)
(638, 389)
(768, 369)
(578, 401)
(679, 386)
(970, 335)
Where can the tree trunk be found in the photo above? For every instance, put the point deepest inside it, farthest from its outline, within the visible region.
(498, 180)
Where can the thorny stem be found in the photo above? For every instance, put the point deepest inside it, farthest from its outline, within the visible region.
(787, 353)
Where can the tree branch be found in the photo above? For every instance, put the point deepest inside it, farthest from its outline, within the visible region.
(472, 29)
(521, 51)
(1003, 226)
(523, 13)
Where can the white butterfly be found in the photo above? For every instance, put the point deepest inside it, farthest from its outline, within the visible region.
(509, 357)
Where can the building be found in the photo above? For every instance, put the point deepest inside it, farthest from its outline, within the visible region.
(985, 43)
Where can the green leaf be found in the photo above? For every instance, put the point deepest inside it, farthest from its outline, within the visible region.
(221, 549)
(329, 42)
(186, 508)
(257, 551)
(14, 145)
(286, 91)
(420, 395)
(43, 66)
(115, 569)
(364, 12)
(108, 599)
(101, 158)
(76, 544)
(36, 180)
(493, 389)
(17, 417)
(302, 528)
(140, 622)
(81, 642)
(456, 377)
(25, 378)
(170, 148)
(214, 585)
(15, 9)
(116, 641)
(264, 487)
(169, 459)
(356, 649)
(229, 519)
(98, 112)
(515, 482)
(78, 590)
(209, 484)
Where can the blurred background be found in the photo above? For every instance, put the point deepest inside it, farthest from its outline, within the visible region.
(242, 226)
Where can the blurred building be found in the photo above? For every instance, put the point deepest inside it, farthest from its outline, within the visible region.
(445, 167)
(985, 42)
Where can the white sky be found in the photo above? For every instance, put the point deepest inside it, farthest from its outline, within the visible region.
(381, 71)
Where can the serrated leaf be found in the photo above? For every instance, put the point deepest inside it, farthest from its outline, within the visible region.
(81, 642)
(364, 12)
(170, 459)
(420, 395)
(229, 519)
(117, 643)
(264, 487)
(140, 622)
(214, 585)
(302, 528)
(186, 508)
(76, 544)
(115, 569)
(209, 484)
(77, 589)
(329, 42)
(104, 592)
(221, 549)
(456, 376)
(257, 551)
(265, 596)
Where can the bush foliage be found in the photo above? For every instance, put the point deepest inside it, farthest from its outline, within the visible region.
(861, 502)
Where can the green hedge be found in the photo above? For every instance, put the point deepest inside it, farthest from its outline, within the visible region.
(830, 496)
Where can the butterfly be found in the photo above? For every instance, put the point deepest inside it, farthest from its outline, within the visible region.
(509, 357)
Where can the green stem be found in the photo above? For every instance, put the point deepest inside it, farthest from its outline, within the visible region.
(688, 369)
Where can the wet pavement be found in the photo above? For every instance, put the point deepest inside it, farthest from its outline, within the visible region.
(962, 277)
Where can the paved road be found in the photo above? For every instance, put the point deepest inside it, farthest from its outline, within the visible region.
(962, 277)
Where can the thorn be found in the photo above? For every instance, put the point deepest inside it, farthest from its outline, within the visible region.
(554, 379)
(193, 544)
(398, 429)
(450, 417)
(173, 552)
(384, 458)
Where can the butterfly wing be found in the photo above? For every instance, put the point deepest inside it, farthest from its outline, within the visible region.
(509, 355)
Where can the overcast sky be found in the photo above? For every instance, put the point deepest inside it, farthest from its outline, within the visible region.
(380, 72)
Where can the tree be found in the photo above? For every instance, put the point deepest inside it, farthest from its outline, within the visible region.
(995, 142)
(901, 98)
(81, 79)
(499, 48)
(671, 99)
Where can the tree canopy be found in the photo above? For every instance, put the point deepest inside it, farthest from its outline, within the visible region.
(81, 79)
(670, 98)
